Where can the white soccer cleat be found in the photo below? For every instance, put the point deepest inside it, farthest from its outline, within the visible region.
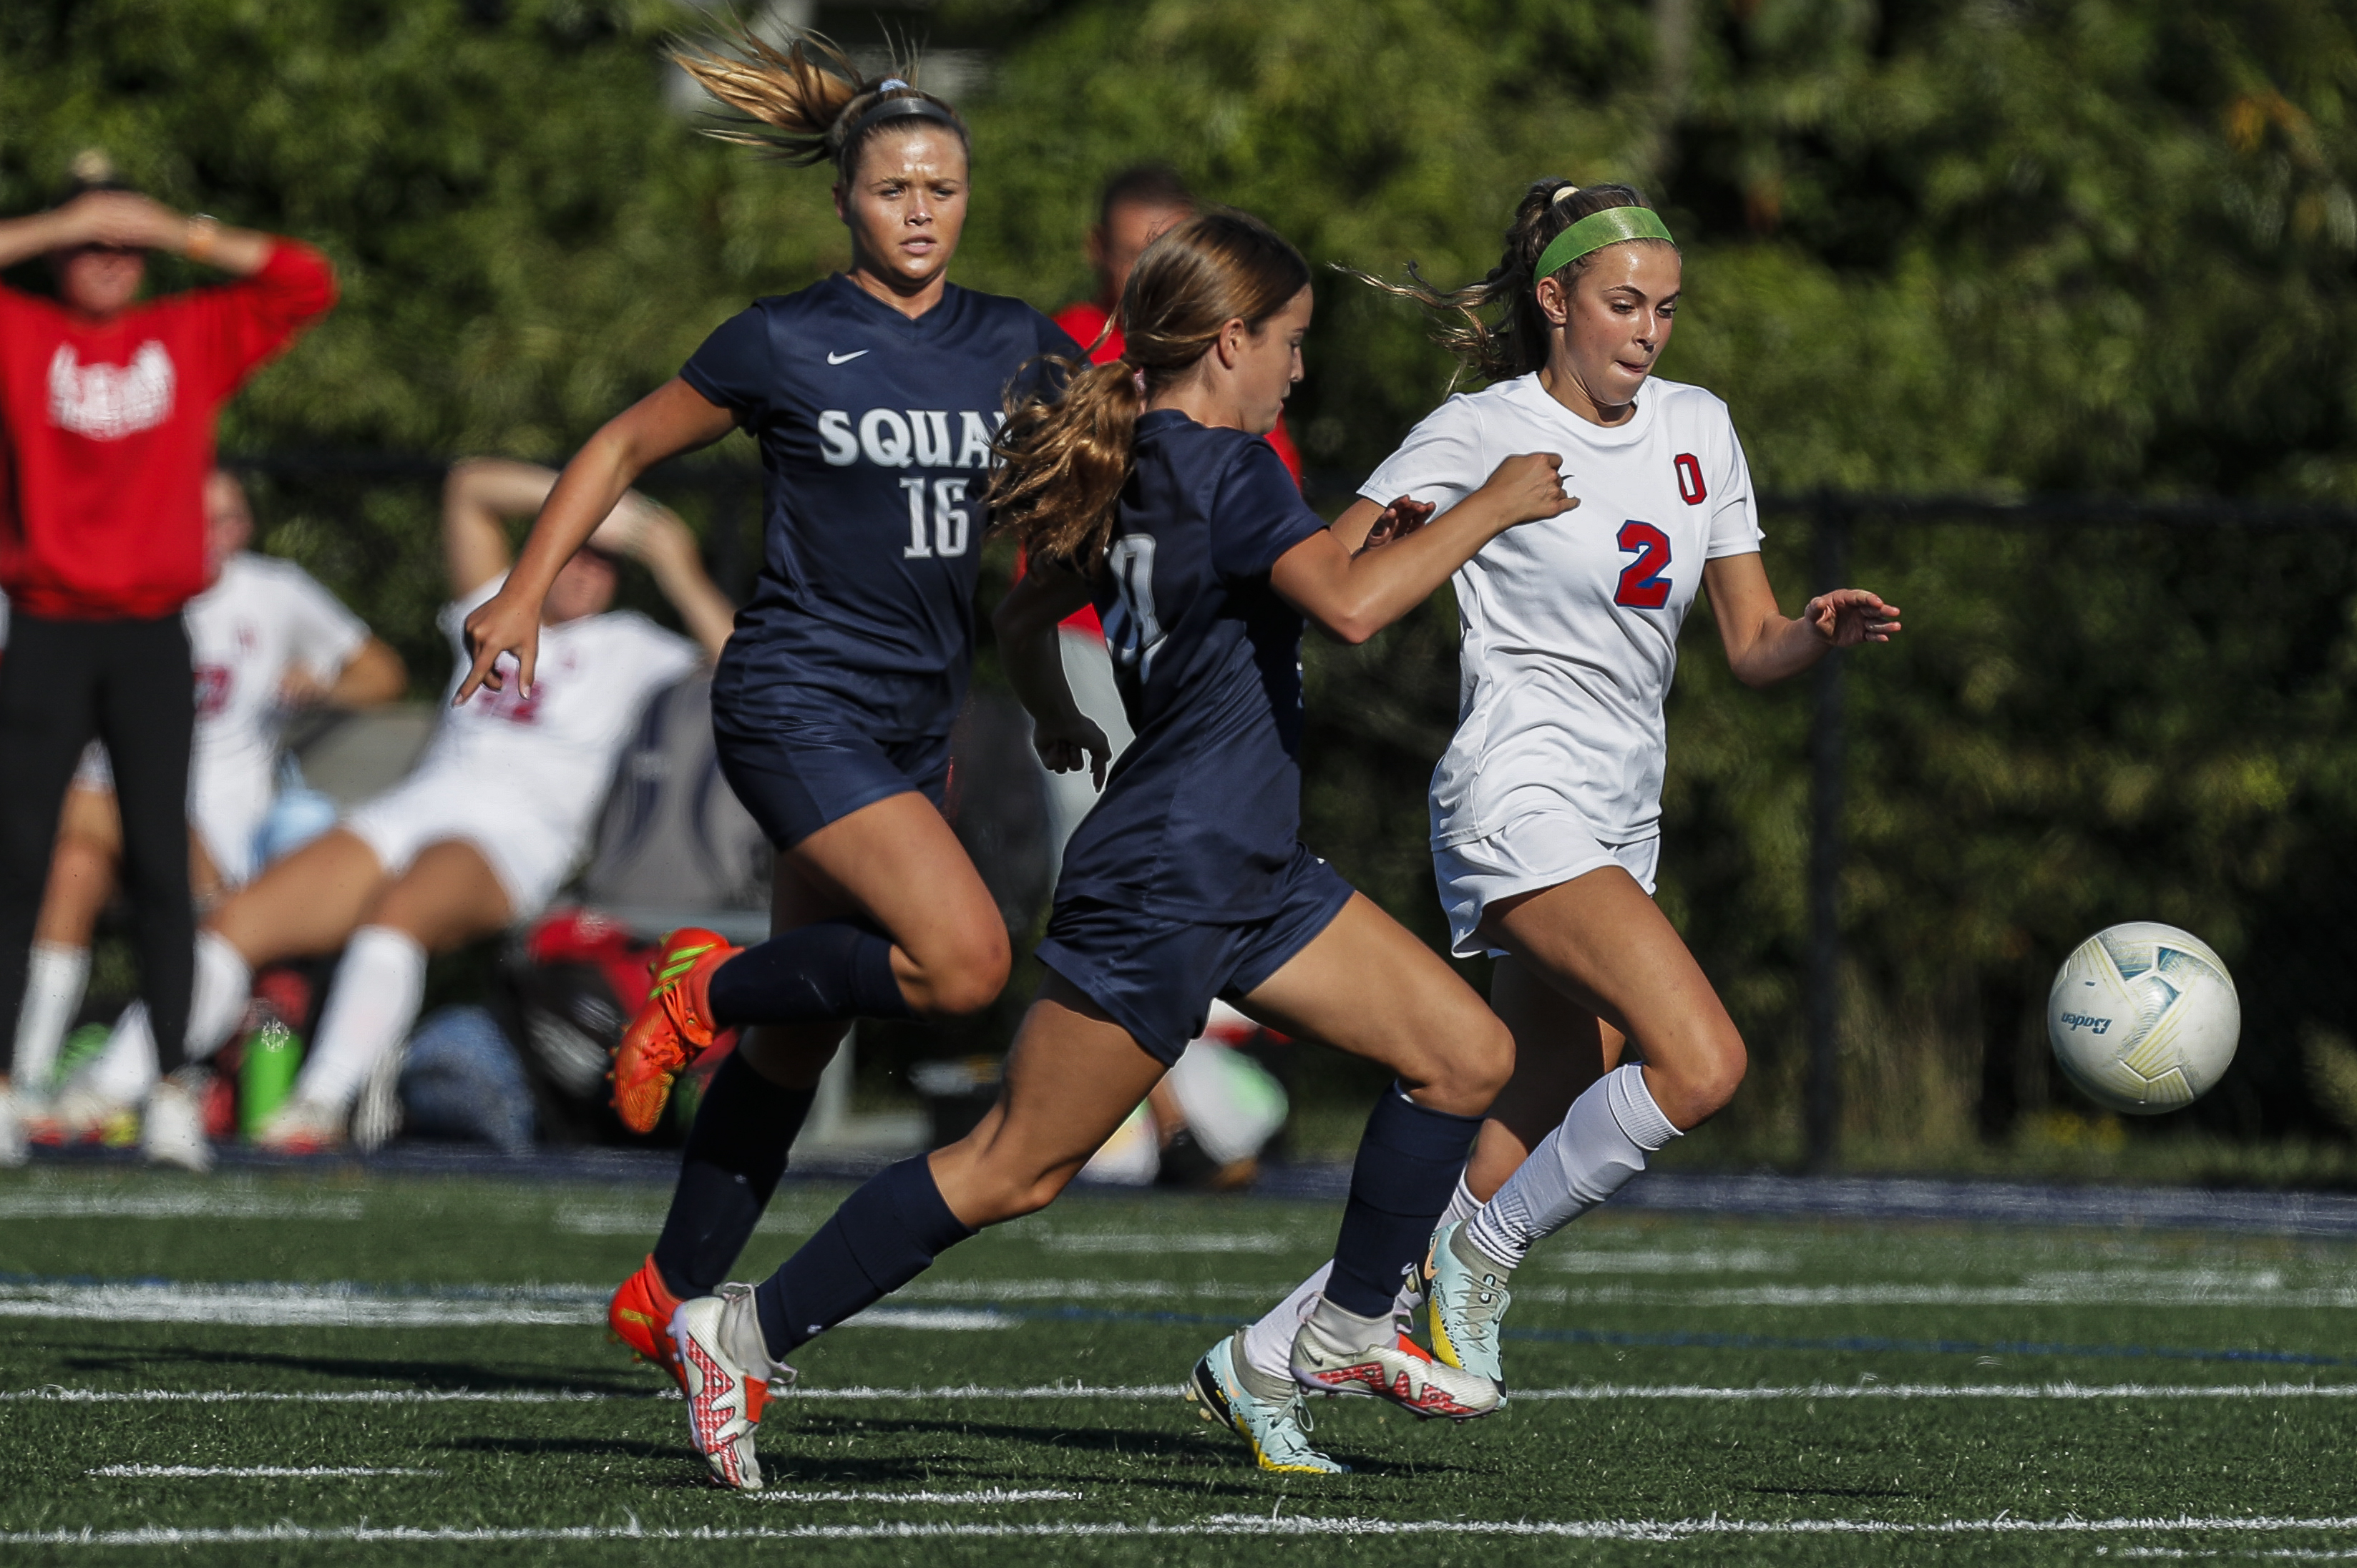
(377, 1116)
(1277, 1429)
(1393, 1371)
(726, 1366)
(1468, 1307)
(302, 1127)
(172, 1133)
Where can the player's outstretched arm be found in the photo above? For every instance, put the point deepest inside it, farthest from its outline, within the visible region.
(1354, 595)
(671, 419)
(1763, 645)
(370, 678)
(1025, 621)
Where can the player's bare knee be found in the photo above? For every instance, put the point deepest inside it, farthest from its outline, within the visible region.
(969, 976)
(1703, 1081)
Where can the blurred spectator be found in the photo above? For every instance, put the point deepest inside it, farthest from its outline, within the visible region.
(478, 837)
(1206, 1122)
(268, 640)
(107, 409)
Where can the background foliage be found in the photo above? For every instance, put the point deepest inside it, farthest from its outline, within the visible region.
(1988, 246)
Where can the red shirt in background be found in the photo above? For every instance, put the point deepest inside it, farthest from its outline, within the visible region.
(1084, 321)
(106, 435)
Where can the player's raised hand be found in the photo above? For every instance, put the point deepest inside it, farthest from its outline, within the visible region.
(1078, 742)
(1528, 487)
(1399, 520)
(500, 625)
(1847, 617)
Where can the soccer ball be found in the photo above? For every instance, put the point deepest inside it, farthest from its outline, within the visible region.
(2144, 1017)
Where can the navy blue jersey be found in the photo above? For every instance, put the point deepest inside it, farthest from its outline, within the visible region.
(1201, 815)
(875, 433)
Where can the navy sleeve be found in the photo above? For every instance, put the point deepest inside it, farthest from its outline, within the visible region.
(1257, 513)
(1054, 339)
(733, 369)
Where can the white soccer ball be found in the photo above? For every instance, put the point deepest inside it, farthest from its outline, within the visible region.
(2144, 1017)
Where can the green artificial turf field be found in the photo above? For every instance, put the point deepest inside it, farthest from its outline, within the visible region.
(430, 1351)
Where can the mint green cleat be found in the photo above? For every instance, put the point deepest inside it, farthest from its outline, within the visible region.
(1279, 1430)
(1468, 1302)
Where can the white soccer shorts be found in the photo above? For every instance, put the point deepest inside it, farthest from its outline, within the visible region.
(1530, 853)
(528, 854)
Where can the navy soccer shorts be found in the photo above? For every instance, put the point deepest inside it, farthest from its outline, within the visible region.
(797, 775)
(1156, 975)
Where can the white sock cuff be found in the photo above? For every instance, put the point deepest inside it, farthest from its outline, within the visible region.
(1634, 1108)
(383, 944)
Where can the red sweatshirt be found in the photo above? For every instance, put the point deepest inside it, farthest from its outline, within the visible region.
(106, 435)
(1083, 322)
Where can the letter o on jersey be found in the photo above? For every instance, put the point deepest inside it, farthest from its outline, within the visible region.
(884, 436)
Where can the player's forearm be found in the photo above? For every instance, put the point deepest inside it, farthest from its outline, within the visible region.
(1034, 661)
(22, 239)
(1780, 650)
(1379, 587)
(1355, 523)
(374, 675)
(241, 253)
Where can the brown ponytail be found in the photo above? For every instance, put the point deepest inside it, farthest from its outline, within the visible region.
(1067, 457)
(1516, 343)
(805, 104)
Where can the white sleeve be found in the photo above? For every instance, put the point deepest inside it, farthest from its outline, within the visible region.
(1439, 462)
(1735, 511)
(321, 634)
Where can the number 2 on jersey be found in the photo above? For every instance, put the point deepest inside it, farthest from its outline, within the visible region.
(1642, 584)
(1131, 562)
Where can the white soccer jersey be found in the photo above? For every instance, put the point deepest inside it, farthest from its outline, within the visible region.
(1570, 626)
(262, 620)
(552, 754)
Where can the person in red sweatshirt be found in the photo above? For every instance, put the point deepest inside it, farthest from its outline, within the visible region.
(107, 412)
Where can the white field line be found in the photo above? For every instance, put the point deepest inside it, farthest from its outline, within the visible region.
(1217, 1525)
(355, 1306)
(1134, 1393)
(249, 1472)
(176, 1205)
(986, 1496)
(2092, 1293)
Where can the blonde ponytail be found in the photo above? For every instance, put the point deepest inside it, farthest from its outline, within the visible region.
(806, 103)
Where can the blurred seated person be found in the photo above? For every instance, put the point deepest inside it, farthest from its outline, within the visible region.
(267, 640)
(486, 827)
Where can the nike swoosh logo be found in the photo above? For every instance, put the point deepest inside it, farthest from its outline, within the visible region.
(845, 358)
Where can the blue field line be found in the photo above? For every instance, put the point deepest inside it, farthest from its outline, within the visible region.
(1679, 1340)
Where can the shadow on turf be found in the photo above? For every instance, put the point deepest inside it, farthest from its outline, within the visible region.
(418, 1374)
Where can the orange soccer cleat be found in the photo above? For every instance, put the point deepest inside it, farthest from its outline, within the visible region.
(673, 1028)
(639, 1317)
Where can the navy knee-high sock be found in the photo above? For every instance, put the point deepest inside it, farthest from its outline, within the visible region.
(1407, 1166)
(810, 974)
(735, 1155)
(884, 1235)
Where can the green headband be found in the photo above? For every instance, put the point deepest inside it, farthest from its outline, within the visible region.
(1597, 231)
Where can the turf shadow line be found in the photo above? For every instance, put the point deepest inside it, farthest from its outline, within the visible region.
(1680, 1340)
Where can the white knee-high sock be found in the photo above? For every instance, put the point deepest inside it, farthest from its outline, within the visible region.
(1602, 1143)
(54, 978)
(217, 1005)
(1268, 1341)
(126, 1068)
(375, 997)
